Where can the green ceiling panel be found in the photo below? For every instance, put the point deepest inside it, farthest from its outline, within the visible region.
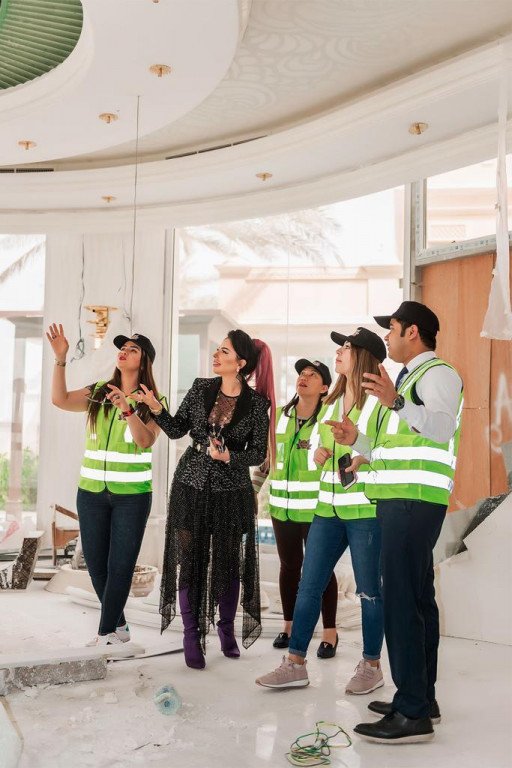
(35, 37)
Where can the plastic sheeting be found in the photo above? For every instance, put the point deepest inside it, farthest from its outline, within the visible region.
(498, 318)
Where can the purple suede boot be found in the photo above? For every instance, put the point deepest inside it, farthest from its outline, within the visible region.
(194, 656)
(228, 604)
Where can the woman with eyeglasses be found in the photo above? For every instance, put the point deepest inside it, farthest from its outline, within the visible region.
(344, 517)
(294, 487)
(114, 490)
(211, 527)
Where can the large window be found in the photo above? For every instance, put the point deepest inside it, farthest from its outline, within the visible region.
(21, 310)
(289, 280)
(461, 203)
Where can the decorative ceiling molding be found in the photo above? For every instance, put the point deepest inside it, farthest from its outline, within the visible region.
(35, 37)
(110, 67)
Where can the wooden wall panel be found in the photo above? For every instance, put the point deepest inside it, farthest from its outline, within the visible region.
(458, 292)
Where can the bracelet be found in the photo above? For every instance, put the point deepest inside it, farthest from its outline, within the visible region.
(157, 413)
(129, 412)
(60, 363)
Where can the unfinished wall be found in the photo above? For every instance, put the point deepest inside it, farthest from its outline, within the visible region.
(458, 291)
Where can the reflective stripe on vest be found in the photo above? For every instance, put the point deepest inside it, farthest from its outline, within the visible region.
(295, 482)
(112, 460)
(407, 465)
(333, 498)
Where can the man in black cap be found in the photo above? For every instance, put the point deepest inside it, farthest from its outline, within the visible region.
(413, 464)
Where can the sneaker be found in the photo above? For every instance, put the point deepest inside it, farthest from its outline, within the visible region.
(123, 633)
(365, 679)
(288, 675)
(110, 639)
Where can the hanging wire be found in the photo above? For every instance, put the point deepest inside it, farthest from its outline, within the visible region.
(128, 310)
(135, 186)
(80, 345)
(312, 749)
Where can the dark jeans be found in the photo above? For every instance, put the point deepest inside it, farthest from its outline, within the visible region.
(112, 527)
(410, 530)
(328, 538)
(291, 539)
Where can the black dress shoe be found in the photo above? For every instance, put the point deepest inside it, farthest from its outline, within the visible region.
(386, 707)
(397, 729)
(281, 641)
(327, 650)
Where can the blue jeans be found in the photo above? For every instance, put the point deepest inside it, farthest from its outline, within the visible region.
(112, 527)
(327, 540)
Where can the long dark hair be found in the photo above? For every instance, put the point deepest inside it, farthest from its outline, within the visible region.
(145, 376)
(293, 404)
(364, 362)
(258, 364)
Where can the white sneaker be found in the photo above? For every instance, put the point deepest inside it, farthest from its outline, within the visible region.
(110, 639)
(288, 675)
(123, 633)
(365, 680)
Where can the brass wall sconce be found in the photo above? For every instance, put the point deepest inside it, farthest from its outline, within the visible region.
(26, 144)
(101, 321)
(264, 176)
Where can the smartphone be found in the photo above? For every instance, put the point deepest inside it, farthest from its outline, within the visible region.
(346, 478)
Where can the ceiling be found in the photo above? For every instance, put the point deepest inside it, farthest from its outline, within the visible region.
(320, 93)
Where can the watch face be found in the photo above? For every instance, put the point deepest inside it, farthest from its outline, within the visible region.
(398, 403)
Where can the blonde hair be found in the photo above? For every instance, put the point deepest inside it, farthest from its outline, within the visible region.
(363, 362)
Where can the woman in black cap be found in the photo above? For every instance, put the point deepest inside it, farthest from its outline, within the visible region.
(344, 517)
(114, 491)
(294, 486)
(210, 536)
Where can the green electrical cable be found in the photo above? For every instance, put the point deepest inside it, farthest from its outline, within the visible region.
(312, 749)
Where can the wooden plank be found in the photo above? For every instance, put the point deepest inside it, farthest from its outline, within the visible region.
(473, 474)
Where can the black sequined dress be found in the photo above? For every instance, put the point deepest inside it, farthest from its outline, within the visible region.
(211, 526)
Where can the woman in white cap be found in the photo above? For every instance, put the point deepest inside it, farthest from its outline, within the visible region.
(114, 490)
(294, 486)
(344, 517)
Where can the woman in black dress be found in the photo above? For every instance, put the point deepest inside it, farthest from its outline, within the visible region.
(211, 543)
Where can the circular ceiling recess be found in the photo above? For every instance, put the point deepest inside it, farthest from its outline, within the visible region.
(35, 37)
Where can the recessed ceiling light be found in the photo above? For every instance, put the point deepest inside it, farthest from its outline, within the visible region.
(108, 198)
(160, 69)
(108, 117)
(264, 175)
(26, 144)
(418, 128)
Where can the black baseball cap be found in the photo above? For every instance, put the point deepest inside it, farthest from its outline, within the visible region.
(141, 341)
(364, 339)
(415, 313)
(318, 366)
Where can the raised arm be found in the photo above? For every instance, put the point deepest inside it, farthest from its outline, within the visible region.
(173, 426)
(76, 399)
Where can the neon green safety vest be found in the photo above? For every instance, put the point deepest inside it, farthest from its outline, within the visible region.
(407, 465)
(112, 460)
(333, 499)
(294, 483)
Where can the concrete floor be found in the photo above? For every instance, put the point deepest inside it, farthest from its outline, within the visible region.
(226, 720)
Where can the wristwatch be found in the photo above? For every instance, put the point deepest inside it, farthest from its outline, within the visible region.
(398, 403)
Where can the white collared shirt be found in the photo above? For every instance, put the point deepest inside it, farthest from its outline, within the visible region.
(439, 389)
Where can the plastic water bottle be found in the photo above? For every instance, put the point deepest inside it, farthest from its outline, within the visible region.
(167, 700)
